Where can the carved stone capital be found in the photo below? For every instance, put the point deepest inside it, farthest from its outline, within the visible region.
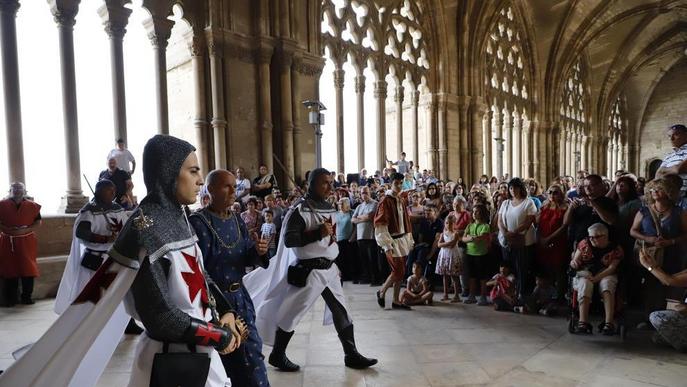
(159, 30)
(380, 90)
(64, 12)
(414, 97)
(339, 78)
(197, 45)
(115, 17)
(308, 69)
(263, 55)
(400, 94)
(360, 84)
(9, 7)
(285, 60)
(214, 45)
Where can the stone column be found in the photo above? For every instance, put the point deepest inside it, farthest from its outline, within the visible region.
(296, 107)
(286, 113)
(507, 128)
(568, 152)
(380, 95)
(575, 144)
(497, 154)
(159, 29)
(527, 143)
(398, 99)
(477, 108)
(115, 17)
(431, 137)
(487, 138)
(441, 134)
(464, 145)
(264, 96)
(583, 152)
(65, 12)
(198, 50)
(338, 88)
(219, 122)
(360, 99)
(517, 145)
(414, 104)
(10, 77)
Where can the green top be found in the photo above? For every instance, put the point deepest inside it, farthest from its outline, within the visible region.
(478, 247)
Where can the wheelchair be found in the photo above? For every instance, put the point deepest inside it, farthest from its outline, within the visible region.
(596, 307)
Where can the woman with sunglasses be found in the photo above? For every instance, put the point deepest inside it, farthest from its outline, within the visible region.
(661, 227)
(552, 245)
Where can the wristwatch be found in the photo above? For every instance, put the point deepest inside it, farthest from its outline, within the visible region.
(650, 269)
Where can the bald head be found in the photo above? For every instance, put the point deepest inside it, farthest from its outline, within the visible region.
(222, 188)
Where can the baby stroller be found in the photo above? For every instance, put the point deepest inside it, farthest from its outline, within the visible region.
(596, 307)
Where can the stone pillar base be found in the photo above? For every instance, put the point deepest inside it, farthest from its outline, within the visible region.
(72, 203)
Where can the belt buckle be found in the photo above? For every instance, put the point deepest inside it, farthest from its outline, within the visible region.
(234, 287)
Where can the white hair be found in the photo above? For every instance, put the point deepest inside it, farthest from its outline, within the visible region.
(597, 229)
(345, 200)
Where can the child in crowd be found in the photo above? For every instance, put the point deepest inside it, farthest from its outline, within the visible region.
(268, 231)
(417, 288)
(503, 291)
(449, 262)
(477, 236)
(541, 300)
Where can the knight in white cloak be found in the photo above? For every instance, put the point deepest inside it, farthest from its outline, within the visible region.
(95, 229)
(304, 270)
(156, 265)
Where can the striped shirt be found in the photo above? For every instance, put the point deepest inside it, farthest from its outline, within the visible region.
(674, 158)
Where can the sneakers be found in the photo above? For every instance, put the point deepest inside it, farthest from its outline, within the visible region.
(519, 309)
(470, 300)
(380, 300)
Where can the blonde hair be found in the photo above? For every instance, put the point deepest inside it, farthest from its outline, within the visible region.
(665, 185)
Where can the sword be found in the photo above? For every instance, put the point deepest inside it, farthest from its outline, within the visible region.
(89, 184)
(332, 239)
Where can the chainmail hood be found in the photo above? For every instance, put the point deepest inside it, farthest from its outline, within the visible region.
(314, 201)
(96, 205)
(159, 224)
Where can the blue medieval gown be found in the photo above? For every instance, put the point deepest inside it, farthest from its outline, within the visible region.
(227, 250)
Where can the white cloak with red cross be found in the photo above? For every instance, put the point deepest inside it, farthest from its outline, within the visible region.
(55, 357)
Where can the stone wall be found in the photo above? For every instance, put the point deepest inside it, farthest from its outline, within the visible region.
(666, 107)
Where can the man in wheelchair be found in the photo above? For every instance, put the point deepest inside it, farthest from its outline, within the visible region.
(596, 261)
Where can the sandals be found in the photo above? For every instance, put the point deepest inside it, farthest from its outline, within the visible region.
(584, 327)
(608, 329)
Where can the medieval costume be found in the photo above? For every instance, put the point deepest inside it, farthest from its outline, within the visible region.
(393, 233)
(157, 265)
(227, 249)
(18, 250)
(303, 270)
(94, 228)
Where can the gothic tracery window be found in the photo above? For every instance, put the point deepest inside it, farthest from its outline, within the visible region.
(370, 43)
(616, 137)
(573, 121)
(508, 87)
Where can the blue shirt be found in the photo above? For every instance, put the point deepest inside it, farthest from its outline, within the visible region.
(344, 226)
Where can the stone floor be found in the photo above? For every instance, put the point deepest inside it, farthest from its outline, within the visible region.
(440, 345)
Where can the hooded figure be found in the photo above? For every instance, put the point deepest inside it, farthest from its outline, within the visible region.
(303, 271)
(95, 229)
(157, 266)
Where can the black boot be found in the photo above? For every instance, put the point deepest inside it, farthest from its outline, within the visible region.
(11, 291)
(353, 358)
(27, 290)
(132, 328)
(278, 356)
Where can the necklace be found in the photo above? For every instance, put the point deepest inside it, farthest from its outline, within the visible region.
(660, 213)
(226, 245)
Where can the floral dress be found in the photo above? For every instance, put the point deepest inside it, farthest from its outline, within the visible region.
(450, 261)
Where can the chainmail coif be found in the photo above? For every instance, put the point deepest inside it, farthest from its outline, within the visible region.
(159, 224)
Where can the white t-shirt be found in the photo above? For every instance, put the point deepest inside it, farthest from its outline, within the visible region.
(242, 185)
(514, 216)
(123, 158)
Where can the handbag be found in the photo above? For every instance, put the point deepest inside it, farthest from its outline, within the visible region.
(654, 251)
(297, 275)
(183, 369)
(92, 259)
